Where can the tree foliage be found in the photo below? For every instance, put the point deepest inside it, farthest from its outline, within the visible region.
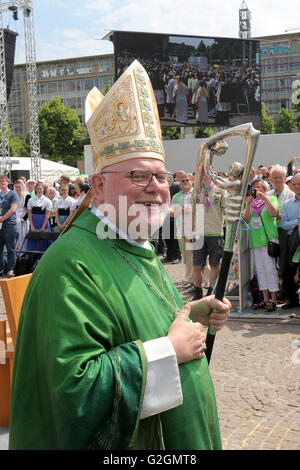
(286, 123)
(61, 132)
(203, 132)
(267, 123)
(18, 148)
(170, 133)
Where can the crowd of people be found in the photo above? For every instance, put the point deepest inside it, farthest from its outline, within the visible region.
(185, 92)
(271, 215)
(29, 207)
(35, 207)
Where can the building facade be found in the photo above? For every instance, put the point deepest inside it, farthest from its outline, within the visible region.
(72, 79)
(280, 67)
(69, 79)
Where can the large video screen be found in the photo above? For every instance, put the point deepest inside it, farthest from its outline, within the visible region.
(197, 81)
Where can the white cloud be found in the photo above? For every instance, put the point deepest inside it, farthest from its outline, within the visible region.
(71, 25)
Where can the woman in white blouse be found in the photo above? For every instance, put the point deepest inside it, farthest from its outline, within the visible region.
(39, 208)
(65, 207)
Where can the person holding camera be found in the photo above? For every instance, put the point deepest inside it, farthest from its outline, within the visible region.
(260, 215)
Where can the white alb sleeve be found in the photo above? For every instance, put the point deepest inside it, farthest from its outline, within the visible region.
(163, 387)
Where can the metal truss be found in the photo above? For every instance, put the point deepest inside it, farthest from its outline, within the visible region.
(4, 145)
(27, 8)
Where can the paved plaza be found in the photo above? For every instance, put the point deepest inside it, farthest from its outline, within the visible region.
(255, 366)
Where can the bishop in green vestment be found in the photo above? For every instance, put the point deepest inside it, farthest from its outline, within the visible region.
(79, 371)
(100, 312)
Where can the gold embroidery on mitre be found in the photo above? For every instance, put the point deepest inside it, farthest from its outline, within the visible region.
(126, 124)
(120, 117)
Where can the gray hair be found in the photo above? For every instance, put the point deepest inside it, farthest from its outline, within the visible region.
(280, 168)
(187, 174)
(263, 183)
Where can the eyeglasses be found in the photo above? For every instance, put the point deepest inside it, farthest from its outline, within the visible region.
(144, 178)
(185, 181)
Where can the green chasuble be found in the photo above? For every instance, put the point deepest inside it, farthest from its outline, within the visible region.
(80, 367)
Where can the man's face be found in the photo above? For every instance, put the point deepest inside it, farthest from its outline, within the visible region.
(186, 183)
(145, 205)
(18, 187)
(30, 187)
(51, 193)
(277, 179)
(295, 183)
(3, 183)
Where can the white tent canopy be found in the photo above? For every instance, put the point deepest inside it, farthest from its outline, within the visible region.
(50, 171)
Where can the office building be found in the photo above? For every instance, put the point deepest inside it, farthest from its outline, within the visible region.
(70, 79)
(280, 67)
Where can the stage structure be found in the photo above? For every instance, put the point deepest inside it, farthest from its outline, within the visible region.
(244, 22)
(227, 68)
(27, 8)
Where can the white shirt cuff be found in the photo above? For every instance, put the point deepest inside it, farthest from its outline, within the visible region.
(163, 388)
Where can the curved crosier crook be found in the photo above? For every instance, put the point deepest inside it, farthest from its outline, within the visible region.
(236, 186)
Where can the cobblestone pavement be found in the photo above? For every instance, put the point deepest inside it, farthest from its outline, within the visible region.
(255, 367)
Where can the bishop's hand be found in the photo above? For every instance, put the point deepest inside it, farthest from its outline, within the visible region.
(187, 338)
(210, 312)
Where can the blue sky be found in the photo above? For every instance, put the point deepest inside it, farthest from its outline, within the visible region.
(70, 28)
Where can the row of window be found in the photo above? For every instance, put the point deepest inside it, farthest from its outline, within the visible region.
(276, 105)
(74, 103)
(278, 85)
(283, 66)
(71, 86)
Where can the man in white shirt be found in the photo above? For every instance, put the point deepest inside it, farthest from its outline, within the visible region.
(181, 210)
(283, 193)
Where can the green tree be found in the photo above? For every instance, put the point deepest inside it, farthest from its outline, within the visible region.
(18, 148)
(203, 132)
(61, 132)
(107, 88)
(286, 123)
(170, 133)
(267, 123)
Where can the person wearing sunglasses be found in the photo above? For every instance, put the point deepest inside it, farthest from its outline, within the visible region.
(181, 210)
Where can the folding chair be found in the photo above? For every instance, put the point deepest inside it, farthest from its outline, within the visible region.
(13, 291)
(5, 375)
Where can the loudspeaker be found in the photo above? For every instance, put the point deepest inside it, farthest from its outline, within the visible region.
(9, 49)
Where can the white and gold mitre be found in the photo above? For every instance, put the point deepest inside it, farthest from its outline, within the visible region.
(124, 124)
